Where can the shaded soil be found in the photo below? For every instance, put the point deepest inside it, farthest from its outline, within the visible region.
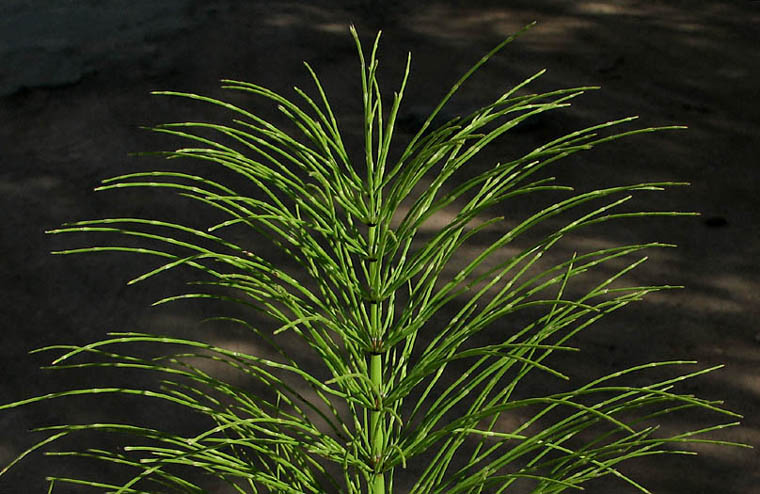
(695, 63)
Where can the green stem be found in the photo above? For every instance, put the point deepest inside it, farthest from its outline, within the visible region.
(377, 425)
(376, 419)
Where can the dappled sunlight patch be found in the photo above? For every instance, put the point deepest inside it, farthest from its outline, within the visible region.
(455, 25)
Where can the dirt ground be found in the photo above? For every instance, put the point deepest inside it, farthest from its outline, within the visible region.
(693, 62)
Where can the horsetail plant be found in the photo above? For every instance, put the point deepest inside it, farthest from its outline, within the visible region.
(393, 312)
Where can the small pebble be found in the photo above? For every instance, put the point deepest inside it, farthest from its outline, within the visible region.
(610, 64)
(716, 222)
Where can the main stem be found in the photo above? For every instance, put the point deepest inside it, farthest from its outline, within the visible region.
(376, 419)
(377, 425)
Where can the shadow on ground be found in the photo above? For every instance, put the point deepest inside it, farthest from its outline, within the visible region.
(694, 63)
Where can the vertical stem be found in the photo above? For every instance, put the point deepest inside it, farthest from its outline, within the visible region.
(377, 424)
(376, 419)
(373, 116)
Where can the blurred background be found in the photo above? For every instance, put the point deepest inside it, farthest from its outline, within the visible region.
(74, 84)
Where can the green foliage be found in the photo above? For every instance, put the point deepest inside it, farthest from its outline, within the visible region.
(394, 313)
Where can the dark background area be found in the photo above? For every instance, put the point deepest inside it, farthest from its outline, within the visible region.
(74, 83)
